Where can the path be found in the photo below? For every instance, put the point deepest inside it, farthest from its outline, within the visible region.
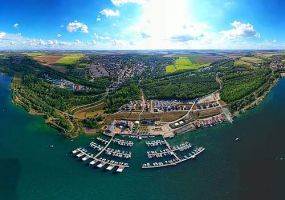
(170, 149)
(105, 147)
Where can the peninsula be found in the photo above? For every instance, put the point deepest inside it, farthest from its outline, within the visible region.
(140, 93)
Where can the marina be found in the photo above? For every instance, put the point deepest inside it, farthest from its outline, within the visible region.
(99, 162)
(195, 179)
(173, 162)
(155, 143)
(169, 152)
(182, 147)
(103, 151)
(109, 157)
(123, 142)
(119, 153)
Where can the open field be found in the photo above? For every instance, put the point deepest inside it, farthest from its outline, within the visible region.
(254, 60)
(207, 113)
(69, 59)
(165, 117)
(200, 58)
(205, 58)
(265, 55)
(34, 54)
(48, 59)
(183, 63)
(249, 61)
(91, 111)
(58, 62)
(240, 62)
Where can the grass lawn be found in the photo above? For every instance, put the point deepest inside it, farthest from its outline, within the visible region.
(182, 64)
(34, 54)
(165, 117)
(248, 61)
(265, 55)
(240, 62)
(69, 59)
(254, 60)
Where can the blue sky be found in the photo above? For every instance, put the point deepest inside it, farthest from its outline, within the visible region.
(142, 24)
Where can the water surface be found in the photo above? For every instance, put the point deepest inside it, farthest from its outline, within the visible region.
(31, 170)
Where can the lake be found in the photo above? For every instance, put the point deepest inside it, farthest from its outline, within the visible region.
(250, 168)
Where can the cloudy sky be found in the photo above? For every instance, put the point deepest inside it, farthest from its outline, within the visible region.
(142, 24)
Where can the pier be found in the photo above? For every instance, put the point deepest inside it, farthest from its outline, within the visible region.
(118, 153)
(170, 149)
(99, 162)
(182, 147)
(173, 162)
(167, 155)
(155, 143)
(102, 140)
(123, 143)
(169, 152)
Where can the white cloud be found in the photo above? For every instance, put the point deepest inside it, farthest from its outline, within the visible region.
(182, 38)
(2, 35)
(110, 13)
(16, 26)
(12, 43)
(77, 26)
(58, 35)
(52, 42)
(161, 26)
(122, 2)
(229, 3)
(98, 19)
(211, 40)
(17, 42)
(241, 30)
(100, 37)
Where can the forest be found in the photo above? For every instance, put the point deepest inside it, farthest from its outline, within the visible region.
(122, 96)
(185, 86)
(239, 85)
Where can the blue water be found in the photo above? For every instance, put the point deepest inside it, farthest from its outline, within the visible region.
(31, 170)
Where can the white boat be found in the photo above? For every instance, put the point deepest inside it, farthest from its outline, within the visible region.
(80, 155)
(75, 151)
(93, 162)
(85, 158)
(100, 165)
(120, 169)
(110, 167)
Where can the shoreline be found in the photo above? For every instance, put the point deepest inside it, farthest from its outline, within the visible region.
(257, 101)
(17, 101)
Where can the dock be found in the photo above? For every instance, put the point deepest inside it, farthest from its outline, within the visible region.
(123, 143)
(170, 148)
(98, 161)
(196, 152)
(166, 157)
(155, 143)
(171, 151)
